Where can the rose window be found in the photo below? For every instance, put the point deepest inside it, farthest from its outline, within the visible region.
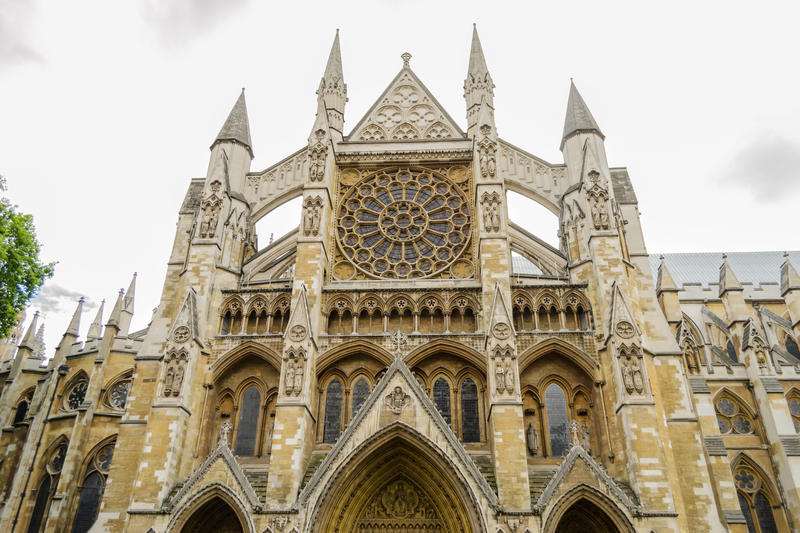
(408, 223)
(77, 395)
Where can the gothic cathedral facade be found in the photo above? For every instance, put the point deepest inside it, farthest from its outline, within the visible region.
(408, 359)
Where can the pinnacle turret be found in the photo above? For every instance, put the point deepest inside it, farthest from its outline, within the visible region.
(478, 86)
(126, 314)
(665, 282)
(790, 279)
(75, 323)
(114, 318)
(332, 89)
(95, 328)
(38, 352)
(29, 340)
(237, 126)
(579, 119)
(727, 278)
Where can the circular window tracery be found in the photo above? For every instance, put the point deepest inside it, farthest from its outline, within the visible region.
(404, 223)
(76, 395)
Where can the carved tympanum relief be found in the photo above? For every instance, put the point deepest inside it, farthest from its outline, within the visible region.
(396, 400)
(400, 506)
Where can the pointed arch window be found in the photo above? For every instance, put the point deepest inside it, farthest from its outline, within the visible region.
(557, 420)
(360, 393)
(754, 501)
(247, 427)
(333, 412)
(21, 412)
(441, 399)
(791, 347)
(732, 418)
(794, 409)
(46, 487)
(732, 352)
(91, 490)
(470, 423)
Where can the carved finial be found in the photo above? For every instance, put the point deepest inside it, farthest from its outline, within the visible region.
(399, 340)
(576, 433)
(224, 431)
(406, 58)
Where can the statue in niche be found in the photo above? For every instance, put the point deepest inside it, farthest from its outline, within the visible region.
(491, 212)
(532, 439)
(486, 158)
(208, 224)
(312, 215)
(315, 217)
(638, 379)
(510, 378)
(288, 385)
(500, 381)
(316, 158)
(169, 378)
(298, 378)
(176, 386)
(586, 442)
(599, 213)
(627, 376)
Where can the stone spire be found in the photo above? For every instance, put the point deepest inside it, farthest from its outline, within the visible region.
(126, 314)
(332, 89)
(38, 352)
(478, 85)
(97, 324)
(29, 340)
(727, 278)
(114, 318)
(237, 126)
(75, 323)
(579, 119)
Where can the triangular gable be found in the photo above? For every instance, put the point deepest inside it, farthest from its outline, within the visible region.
(579, 453)
(405, 110)
(300, 320)
(208, 473)
(185, 325)
(379, 399)
(621, 314)
(500, 324)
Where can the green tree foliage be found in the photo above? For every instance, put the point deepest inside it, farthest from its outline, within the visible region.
(21, 272)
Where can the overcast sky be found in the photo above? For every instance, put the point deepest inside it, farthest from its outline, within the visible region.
(107, 110)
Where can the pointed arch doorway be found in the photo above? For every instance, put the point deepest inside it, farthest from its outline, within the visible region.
(586, 517)
(214, 516)
(397, 484)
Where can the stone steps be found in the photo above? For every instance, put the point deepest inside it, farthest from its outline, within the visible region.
(257, 477)
(313, 464)
(486, 467)
(538, 480)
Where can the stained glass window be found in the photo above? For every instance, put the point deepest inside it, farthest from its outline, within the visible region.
(748, 517)
(794, 410)
(77, 395)
(441, 399)
(470, 427)
(88, 502)
(360, 393)
(22, 412)
(118, 396)
(39, 509)
(557, 420)
(791, 347)
(766, 520)
(731, 418)
(732, 352)
(333, 412)
(247, 429)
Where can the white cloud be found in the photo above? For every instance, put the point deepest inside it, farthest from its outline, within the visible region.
(769, 167)
(53, 298)
(177, 21)
(15, 23)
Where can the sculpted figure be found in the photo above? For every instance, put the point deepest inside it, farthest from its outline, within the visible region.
(176, 386)
(638, 380)
(510, 378)
(627, 377)
(168, 379)
(585, 440)
(288, 385)
(298, 378)
(308, 221)
(532, 438)
(315, 216)
(500, 381)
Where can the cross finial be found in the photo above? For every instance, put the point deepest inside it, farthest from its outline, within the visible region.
(406, 58)
(399, 340)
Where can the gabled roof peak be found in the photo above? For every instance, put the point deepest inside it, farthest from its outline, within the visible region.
(237, 126)
(579, 119)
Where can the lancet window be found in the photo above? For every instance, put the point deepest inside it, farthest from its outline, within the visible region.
(257, 318)
(280, 317)
(360, 393)
(21, 411)
(340, 319)
(523, 315)
(470, 418)
(441, 399)
(91, 489)
(248, 424)
(333, 411)
(732, 417)
(791, 346)
(231, 318)
(754, 500)
(557, 419)
(731, 351)
(46, 487)
(794, 408)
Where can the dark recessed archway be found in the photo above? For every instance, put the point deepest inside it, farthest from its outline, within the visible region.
(586, 517)
(214, 516)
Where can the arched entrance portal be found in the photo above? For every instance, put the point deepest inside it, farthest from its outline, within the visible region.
(214, 516)
(400, 485)
(586, 517)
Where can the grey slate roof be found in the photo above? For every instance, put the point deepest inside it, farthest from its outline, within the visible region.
(703, 267)
(578, 117)
(237, 126)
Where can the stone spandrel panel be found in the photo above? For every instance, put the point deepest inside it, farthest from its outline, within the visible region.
(404, 223)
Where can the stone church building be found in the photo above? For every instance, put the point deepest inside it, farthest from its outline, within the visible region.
(408, 359)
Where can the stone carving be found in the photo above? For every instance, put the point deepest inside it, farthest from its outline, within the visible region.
(175, 363)
(279, 523)
(312, 214)
(500, 381)
(396, 400)
(625, 329)
(297, 333)
(181, 334)
(316, 158)
(294, 373)
(598, 199)
(513, 524)
(632, 377)
(532, 439)
(486, 157)
(224, 433)
(210, 209)
(399, 339)
(397, 506)
(491, 212)
(501, 331)
(690, 356)
(586, 441)
(504, 371)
